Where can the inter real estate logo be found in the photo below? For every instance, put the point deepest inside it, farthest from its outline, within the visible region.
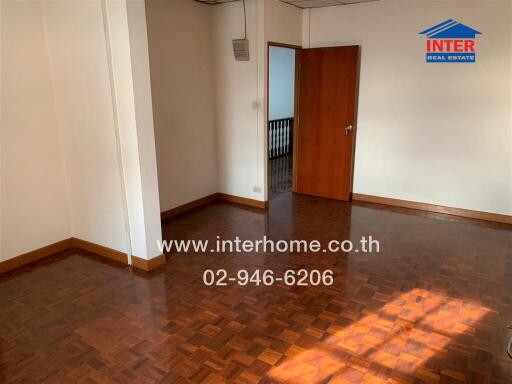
(450, 42)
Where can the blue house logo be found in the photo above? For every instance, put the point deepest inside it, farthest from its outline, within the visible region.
(450, 42)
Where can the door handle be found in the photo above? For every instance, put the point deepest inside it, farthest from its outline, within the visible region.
(348, 128)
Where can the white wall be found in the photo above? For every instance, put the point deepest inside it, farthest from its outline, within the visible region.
(241, 126)
(77, 49)
(281, 83)
(60, 169)
(434, 133)
(181, 61)
(34, 209)
(210, 110)
(283, 23)
(240, 137)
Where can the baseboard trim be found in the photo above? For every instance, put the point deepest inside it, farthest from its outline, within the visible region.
(148, 265)
(188, 206)
(33, 256)
(121, 257)
(80, 245)
(100, 250)
(487, 216)
(243, 201)
(170, 213)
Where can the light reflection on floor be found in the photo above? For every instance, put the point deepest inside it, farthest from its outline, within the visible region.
(388, 346)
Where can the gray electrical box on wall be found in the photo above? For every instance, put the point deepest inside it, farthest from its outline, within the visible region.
(241, 49)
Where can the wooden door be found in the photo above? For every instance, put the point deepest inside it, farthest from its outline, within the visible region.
(327, 97)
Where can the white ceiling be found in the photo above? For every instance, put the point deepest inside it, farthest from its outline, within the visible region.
(301, 3)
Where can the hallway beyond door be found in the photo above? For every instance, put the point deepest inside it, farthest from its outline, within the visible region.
(280, 175)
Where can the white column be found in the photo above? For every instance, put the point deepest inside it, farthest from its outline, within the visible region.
(127, 36)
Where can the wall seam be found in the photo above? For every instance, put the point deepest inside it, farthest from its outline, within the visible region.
(258, 110)
(60, 133)
(213, 71)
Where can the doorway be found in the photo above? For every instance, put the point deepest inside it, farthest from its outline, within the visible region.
(313, 152)
(282, 68)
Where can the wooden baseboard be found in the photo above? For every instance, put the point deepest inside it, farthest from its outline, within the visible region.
(80, 245)
(188, 206)
(148, 265)
(487, 216)
(170, 213)
(100, 250)
(121, 257)
(243, 200)
(38, 254)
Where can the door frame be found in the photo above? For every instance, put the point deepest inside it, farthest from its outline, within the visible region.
(298, 51)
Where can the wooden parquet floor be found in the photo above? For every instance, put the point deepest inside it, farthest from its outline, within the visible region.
(432, 307)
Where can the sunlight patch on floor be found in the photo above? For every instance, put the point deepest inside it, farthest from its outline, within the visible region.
(397, 340)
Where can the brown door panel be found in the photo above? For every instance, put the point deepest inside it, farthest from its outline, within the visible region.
(326, 106)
